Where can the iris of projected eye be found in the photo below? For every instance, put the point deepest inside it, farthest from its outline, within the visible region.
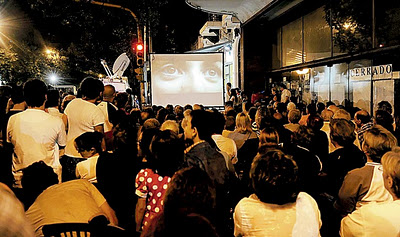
(187, 78)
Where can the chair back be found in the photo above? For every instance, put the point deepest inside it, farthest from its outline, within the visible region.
(82, 230)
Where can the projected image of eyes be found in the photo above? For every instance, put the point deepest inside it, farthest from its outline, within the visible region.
(211, 74)
(171, 72)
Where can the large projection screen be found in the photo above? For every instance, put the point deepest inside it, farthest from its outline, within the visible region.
(181, 79)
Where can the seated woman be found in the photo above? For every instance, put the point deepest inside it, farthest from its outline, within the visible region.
(152, 182)
(89, 146)
(276, 208)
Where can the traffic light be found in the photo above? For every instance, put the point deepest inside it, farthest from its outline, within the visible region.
(139, 49)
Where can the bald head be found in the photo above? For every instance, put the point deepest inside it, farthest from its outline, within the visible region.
(109, 93)
(362, 117)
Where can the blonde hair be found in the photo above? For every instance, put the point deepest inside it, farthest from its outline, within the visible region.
(170, 125)
(378, 141)
(243, 123)
(391, 166)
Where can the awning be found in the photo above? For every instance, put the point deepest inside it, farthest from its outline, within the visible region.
(242, 9)
(209, 49)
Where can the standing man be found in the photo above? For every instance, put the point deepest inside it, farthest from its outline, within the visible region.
(363, 123)
(285, 94)
(34, 133)
(110, 113)
(81, 115)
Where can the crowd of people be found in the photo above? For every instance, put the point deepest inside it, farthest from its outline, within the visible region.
(260, 167)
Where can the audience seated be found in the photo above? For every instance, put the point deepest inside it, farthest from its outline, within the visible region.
(365, 185)
(275, 207)
(379, 219)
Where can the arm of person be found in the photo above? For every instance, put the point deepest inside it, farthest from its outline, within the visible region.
(139, 212)
(105, 207)
(352, 224)
(349, 194)
(65, 120)
(100, 128)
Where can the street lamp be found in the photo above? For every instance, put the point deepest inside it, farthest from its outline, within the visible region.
(53, 78)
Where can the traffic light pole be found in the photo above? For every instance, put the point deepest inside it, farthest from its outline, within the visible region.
(139, 36)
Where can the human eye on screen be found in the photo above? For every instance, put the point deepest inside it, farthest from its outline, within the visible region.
(211, 74)
(171, 72)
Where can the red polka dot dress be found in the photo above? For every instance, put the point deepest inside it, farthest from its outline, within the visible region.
(152, 186)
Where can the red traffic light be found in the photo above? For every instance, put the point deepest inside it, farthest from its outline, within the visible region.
(139, 47)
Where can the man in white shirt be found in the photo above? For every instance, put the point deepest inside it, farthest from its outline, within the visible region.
(81, 115)
(285, 94)
(35, 134)
(110, 112)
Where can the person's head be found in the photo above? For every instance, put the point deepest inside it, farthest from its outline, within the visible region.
(88, 144)
(178, 110)
(385, 106)
(333, 108)
(252, 113)
(188, 106)
(342, 132)
(109, 93)
(303, 136)
(121, 100)
(243, 123)
(362, 117)
(230, 123)
(326, 114)
(198, 126)
(274, 177)
(294, 116)
(290, 106)
(378, 141)
(190, 191)
(167, 152)
(315, 122)
(36, 178)
(65, 101)
(144, 141)
(161, 114)
(151, 123)
(342, 114)
(320, 107)
(269, 137)
(391, 172)
(146, 114)
(91, 89)
(198, 107)
(17, 95)
(170, 125)
(228, 86)
(53, 99)
(218, 122)
(384, 119)
(35, 92)
(169, 108)
(311, 108)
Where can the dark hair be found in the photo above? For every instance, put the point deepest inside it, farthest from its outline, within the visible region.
(17, 94)
(315, 122)
(303, 136)
(188, 106)
(201, 121)
(91, 88)
(252, 113)
(36, 178)
(121, 99)
(229, 84)
(161, 114)
(320, 107)
(311, 108)
(230, 123)
(53, 99)
(89, 140)
(342, 131)
(274, 177)
(167, 150)
(363, 116)
(190, 191)
(385, 106)
(144, 143)
(218, 123)
(384, 119)
(35, 92)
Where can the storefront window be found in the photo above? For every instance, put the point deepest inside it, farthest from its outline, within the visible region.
(339, 84)
(319, 84)
(360, 84)
(317, 36)
(292, 43)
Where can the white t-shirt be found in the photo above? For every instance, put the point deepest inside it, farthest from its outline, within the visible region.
(103, 107)
(35, 135)
(87, 169)
(82, 116)
(285, 96)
